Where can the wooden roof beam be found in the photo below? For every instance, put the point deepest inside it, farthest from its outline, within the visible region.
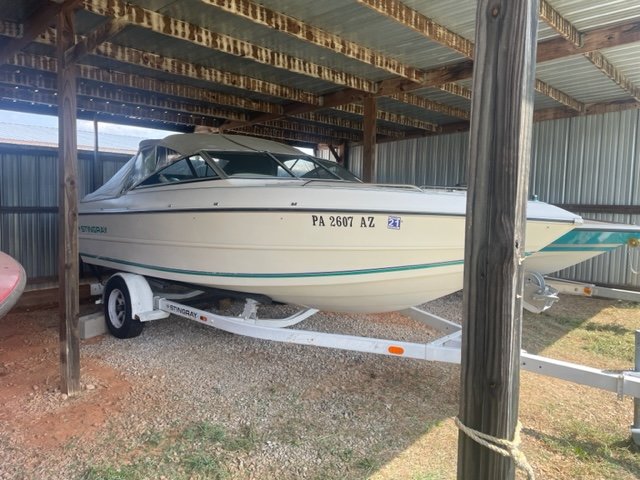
(175, 66)
(559, 96)
(427, 104)
(44, 17)
(560, 24)
(88, 44)
(197, 35)
(127, 99)
(108, 108)
(140, 82)
(405, 15)
(457, 90)
(357, 109)
(595, 39)
(315, 130)
(260, 15)
(346, 123)
(280, 134)
(419, 22)
(614, 74)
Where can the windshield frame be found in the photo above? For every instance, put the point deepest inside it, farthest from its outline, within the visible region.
(279, 158)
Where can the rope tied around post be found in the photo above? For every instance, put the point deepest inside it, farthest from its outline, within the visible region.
(506, 448)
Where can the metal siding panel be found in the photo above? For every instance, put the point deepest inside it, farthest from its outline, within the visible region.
(549, 161)
(30, 179)
(396, 162)
(355, 160)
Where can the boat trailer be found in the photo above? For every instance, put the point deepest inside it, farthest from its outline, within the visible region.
(129, 300)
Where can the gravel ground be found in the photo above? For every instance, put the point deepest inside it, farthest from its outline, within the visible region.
(302, 412)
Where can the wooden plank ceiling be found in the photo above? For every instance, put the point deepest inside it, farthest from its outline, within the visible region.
(250, 69)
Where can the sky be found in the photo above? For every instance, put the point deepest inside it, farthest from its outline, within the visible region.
(20, 118)
(52, 121)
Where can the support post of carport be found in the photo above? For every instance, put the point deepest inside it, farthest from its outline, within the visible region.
(500, 148)
(369, 132)
(67, 208)
(96, 171)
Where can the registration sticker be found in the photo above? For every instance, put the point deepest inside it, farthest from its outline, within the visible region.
(394, 223)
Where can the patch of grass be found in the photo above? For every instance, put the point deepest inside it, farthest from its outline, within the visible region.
(595, 450)
(204, 432)
(602, 340)
(246, 440)
(125, 472)
(428, 476)
(203, 464)
(607, 327)
(367, 465)
(153, 438)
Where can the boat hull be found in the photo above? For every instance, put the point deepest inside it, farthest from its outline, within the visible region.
(12, 282)
(333, 260)
(583, 243)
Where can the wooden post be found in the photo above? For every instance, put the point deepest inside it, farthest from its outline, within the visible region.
(67, 209)
(97, 165)
(369, 131)
(500, 148)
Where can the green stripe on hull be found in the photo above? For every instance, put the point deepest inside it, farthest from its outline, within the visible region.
(591, 240)
(278, 275)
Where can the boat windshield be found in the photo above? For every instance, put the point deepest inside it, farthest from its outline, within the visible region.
(303, 166)
(248, 164)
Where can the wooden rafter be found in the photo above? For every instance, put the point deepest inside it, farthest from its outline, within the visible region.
(126, 80)
(302, 100)
(391, 117)
(140, 58)
(559, 96)
(272, 132)
(614, 74)
(595, 39)
(317, 36)
(33, 26)
(432, 30)
(189, 32)
(88, 44)
(406, 15)
(48, 99)
(128, 98)
(457, 90)
(315, 130)
(118, 90)
(427, 104)
(560, 24)
(348, 124)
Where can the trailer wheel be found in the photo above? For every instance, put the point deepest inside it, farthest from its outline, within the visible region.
(117, 310)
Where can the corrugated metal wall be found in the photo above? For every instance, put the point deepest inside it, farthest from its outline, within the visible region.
(584, 160)
(29, 200)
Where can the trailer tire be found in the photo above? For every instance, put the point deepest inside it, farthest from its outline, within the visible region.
(117, 310)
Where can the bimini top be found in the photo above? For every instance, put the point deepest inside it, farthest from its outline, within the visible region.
(188, 143)
(196, 157)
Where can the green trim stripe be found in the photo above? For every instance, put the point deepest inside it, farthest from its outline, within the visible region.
(278, 275)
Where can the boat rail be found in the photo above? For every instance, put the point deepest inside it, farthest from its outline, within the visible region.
(344, 183)
(447, 188)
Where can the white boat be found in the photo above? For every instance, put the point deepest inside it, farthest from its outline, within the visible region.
(586, 241)
(258, 217)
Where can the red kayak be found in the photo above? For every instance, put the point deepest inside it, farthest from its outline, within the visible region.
(12, 282)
